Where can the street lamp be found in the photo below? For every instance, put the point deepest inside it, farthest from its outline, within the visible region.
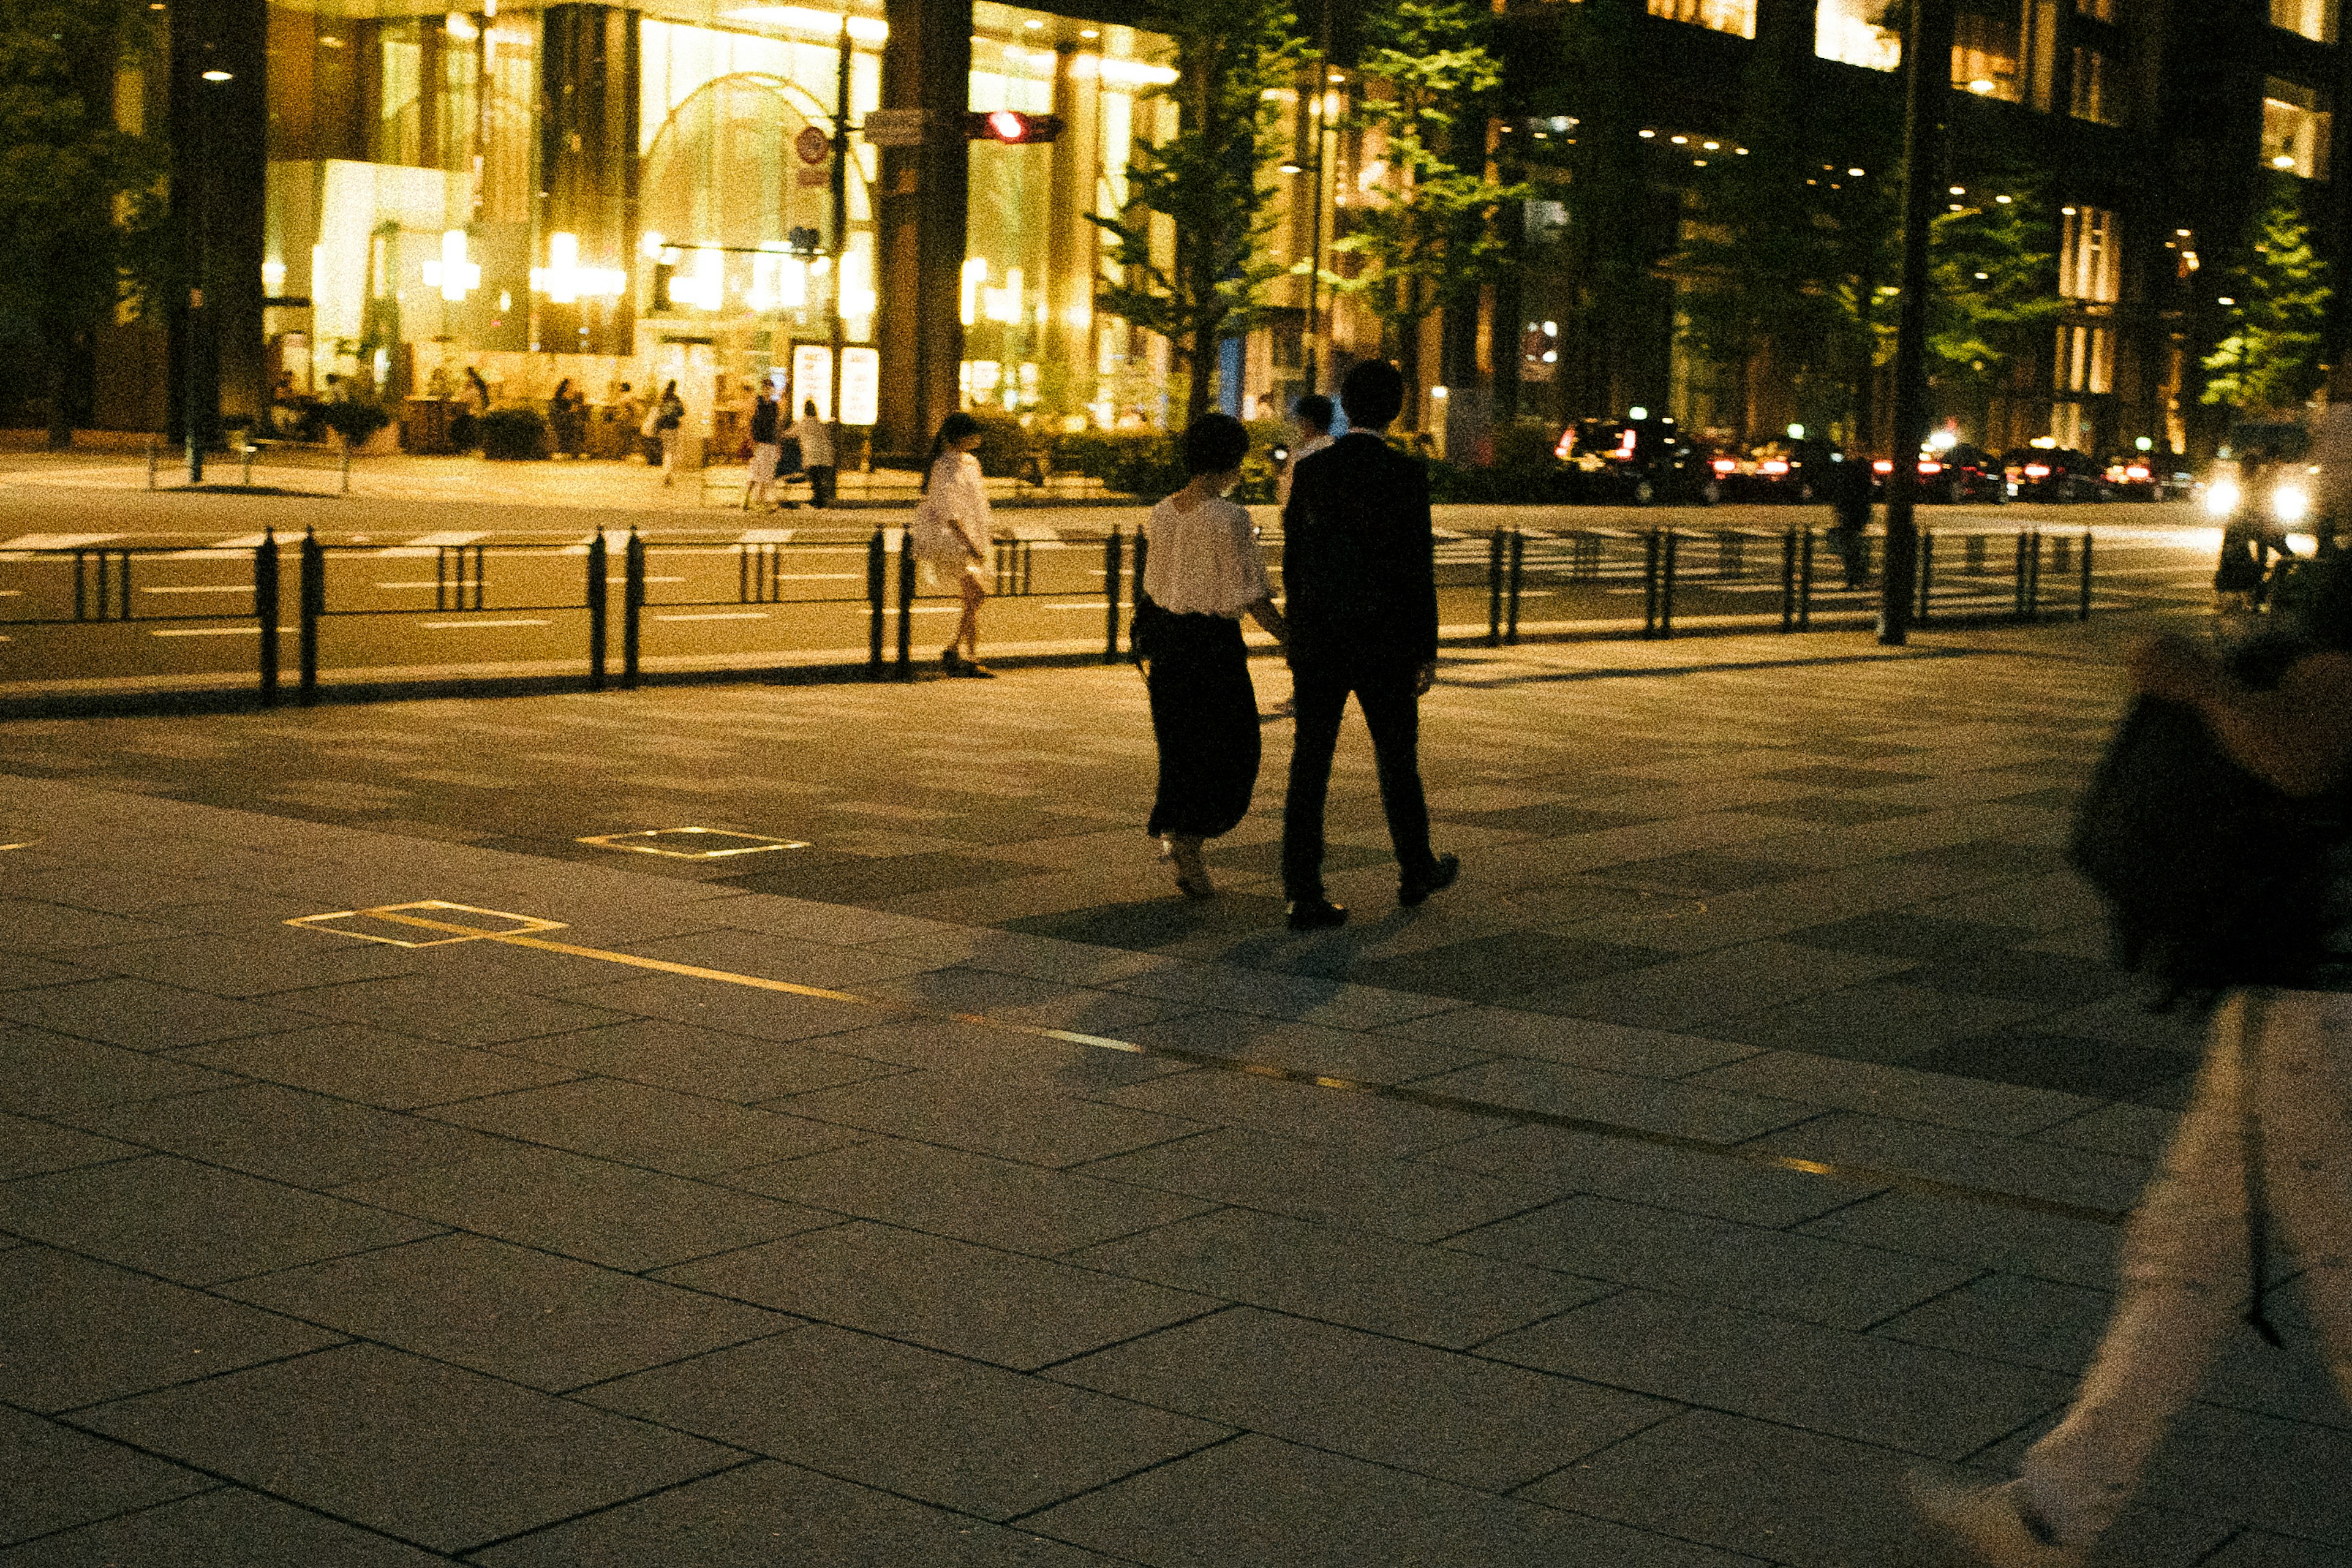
(191, 337)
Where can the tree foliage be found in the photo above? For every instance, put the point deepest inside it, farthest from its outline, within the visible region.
(2270, 359)
(1189, 257)
(1992, 275)
(77, 193)
(1430, 232)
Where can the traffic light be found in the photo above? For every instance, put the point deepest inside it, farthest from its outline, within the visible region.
(1011, 126)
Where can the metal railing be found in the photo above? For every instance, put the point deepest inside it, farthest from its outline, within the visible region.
(271, 456)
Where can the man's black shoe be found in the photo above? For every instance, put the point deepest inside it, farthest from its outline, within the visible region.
(1415, 891)
(1317, 914)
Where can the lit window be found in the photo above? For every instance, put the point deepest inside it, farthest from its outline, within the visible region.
(2314, 19)
(2086, 360)
(2103, 10)
(1722, 15)
(2090, 267)
(2097, 93)
(1856, 31)
(2295, 128)
(1984, 55)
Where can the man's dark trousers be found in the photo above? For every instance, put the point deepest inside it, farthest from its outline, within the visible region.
(1392, 714)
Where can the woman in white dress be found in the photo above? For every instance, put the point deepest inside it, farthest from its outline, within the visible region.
(950, 535)
(1201, 574)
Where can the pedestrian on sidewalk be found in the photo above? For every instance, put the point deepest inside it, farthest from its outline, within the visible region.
(1359, 571)
(567, 418)
(1311, 417)
(667, 424)
(950, 535)
(1849, 484)
(765, 449)
(815, 437)
(1203, 573)
(2267, 1141)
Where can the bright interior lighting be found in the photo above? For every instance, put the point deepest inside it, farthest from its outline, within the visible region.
(1980, 86)
(2303, 543)
(453, 274)
(975, 273)
(1637, 412)
(1796, 432)
(2221, 498)
(273, 275)
(807, 19)
(1135, 73)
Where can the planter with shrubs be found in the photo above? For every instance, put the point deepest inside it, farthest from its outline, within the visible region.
(514, 435)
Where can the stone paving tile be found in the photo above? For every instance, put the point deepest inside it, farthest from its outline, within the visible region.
(1818, 1502)
(1843, 1384)
(1617, 1167)
(1308, 1000)
(59, 1477)
(697, 1062)
(1452, 1417)
(2258, 1548)
(1090, 963)
(827, 965)
(304, 1140)
(395, 1071)
(31, 1148)
(141, 1015)
(74, 1332)
(1899, 1092)
(2056, 1060)
(1305, 1047)
(968, 1197)
(229, 1526)
(739, 1010)
(549, 1324)
(1428, 1294)
(977, 1113)
(1677, 1109)
(1970, 1159)
(254, 962)
(635, 1124)
(30, 926)
(2134, 1131)
(1773, 1271)
(589, 1209)
(1411, 1201)
(1258, 1502)
(1981, 1236)
(1875, 1023)
(431, 1454)
(936, 1429)
(19, 970)
(1000, 1306)
(191, 1223)
(1368, 1126)
(426, 1006)
(736, 1519)
(1711, 985)
(1008, 1055)
(1576, 1042)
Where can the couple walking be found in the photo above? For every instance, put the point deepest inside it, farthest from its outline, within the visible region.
(1357, 572)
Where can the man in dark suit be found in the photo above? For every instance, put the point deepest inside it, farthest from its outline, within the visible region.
(1359, 580)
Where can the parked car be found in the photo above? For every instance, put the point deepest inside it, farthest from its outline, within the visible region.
(1789, 471)
(1636, 462)
(1963, 475)
(2133, 478)
(2053, 474)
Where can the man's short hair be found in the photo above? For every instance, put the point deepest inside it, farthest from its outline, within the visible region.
(1215, 443)
(1373, 395)
(1313, 409)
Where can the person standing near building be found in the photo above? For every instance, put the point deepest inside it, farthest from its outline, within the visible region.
(2267, 1131)
(566, 417)
(1359, 568)
(765, 449)
(950, 535)
(1311, 417)
(667, 424)
(815, 437)
(1203, 573)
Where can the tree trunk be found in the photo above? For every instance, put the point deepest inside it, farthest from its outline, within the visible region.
(1203, 362)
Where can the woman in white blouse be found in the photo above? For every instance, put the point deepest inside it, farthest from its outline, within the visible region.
(950, 535)
(1201, 574)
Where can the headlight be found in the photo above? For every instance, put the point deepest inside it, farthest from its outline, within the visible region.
(2221, 498)
(2290, 503)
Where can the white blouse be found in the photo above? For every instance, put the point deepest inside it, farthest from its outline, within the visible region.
(1204, 562)
(954, 514)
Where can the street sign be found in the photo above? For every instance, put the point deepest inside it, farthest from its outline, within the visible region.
(813, 145)
(861, 385)
(896, 127)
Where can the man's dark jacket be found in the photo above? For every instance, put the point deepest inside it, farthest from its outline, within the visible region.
(1358, 572)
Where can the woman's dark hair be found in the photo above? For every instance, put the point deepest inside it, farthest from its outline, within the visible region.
(1316, 410)
(1215, 443)
(670, 391)
(954, 427)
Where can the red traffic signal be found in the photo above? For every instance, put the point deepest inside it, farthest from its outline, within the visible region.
(1011, 126)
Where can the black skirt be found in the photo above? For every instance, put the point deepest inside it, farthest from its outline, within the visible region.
(1204, 718)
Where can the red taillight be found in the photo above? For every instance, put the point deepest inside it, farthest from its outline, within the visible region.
(1883, 466)
(1930, 468)
(1772, 466)
(2136, 472)
(1724, 465)
(1566, 445)
(2037, 470)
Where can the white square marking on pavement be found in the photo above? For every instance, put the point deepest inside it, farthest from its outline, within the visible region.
(727, 844)
(430, 914)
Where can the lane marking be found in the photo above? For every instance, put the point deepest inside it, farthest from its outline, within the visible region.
(1740, 1154)
(480, 626)
(55, 541)
(220, 588)
(210, 632)
(720, 616)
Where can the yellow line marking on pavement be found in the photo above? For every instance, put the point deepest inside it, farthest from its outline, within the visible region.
(754, 843)
(1741, 1153)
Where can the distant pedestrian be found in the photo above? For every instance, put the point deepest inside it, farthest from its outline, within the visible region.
(566, 418)
(950, 535)
(815, 437)
(1360, 575)
(666, 423)
(2242, 575)
(2266, 1137)
(1203, 573)
(765, 447)
(1311, 417)
(1849, 482)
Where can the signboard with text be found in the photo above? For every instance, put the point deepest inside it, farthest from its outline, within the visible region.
(813, 379)
(861, 386)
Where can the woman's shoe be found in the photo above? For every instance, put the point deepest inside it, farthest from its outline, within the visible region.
(1183, 854)
(951, 661)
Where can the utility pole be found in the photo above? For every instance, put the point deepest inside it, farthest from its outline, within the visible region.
(1927, 69)
(837, 237)
(1314, 175)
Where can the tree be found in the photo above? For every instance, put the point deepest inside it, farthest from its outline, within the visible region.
(77, 193)
(1430, 235)
(1190, 257)
(2270, 358)
(1992, 275)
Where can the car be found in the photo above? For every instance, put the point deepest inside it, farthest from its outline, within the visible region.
(1959, 475)
(2133, 478)
(1637, 461)
(2053, 474)
(1783, 472)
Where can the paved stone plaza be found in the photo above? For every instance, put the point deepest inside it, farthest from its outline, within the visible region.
(1749, 1127)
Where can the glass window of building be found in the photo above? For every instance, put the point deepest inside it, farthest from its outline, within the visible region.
(1722, 15)
(1859, 33)
(2104, 10)
(2296, 123)
(2090, 265)
(2099, 88)
(1985, 54)
(2314, 19)
(2086, 360)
